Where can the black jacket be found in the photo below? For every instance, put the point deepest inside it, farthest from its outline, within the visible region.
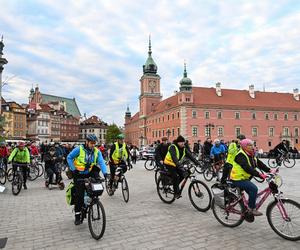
(161, 152)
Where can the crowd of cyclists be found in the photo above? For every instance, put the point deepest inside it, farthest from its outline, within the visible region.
(237, 158)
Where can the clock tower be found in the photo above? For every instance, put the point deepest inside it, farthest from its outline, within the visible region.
(150, 86)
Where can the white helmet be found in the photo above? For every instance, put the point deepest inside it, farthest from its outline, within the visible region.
(216, 141)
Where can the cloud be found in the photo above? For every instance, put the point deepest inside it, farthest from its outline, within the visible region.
(94, 50)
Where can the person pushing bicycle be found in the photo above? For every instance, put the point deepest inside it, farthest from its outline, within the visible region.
(176, 153)
(84, 162)
(118, 156)
(20, 155)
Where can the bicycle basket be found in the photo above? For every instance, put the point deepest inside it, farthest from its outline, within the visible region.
(70, 193)
(218, 194)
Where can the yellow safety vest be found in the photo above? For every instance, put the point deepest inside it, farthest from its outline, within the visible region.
(119, 154)
(232, 152)
(168, 159)
(80, 163)
(237, 172)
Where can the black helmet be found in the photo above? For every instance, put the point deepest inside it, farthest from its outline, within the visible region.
(241, 137)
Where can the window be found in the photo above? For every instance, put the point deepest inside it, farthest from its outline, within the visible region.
(178, 131)
(163, 132)
(187, 99)
(168, 117)
(254, 131)
(194, 114)
(220, 131)
(178, 115)
(275, 116)
(295, 117)
(173, 116)
(207, 132)
(285, 131)
(296, 132)
(271, 132)
(237, 131)
(270, 144)
(237, 115)
(206, 115)
(163, 118)
(152, 133)
(159, 133)
(173, 132)
(267, 116)
(286, 116)
(219, 114)
(194, 131)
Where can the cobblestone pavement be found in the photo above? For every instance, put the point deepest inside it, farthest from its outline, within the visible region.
(40, 219)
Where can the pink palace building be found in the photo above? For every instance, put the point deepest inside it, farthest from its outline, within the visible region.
(200, 112)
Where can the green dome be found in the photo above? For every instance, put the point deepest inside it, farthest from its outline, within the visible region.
(150, 66)
(185, 82)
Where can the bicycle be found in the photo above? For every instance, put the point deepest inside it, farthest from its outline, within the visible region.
(93, 207)
(214, 170)
(119, 178)
(200, 190)
(150, 164)
(285, 159)
(3, 174)
(17, 180)
(230, 208)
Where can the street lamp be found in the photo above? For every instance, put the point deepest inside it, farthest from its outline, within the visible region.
(168, 133)
(3, 61)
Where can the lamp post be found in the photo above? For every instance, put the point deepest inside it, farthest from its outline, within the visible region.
(3, 61)
(141, 141)
(168, 133)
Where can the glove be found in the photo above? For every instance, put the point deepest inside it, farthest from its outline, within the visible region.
(263, 176)
(105, 176)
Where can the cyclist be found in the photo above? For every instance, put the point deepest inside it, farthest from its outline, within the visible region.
(217, 154)
(280, 150)
(4, 153)
(244, 168)
(176, 153)
(233, 149)
(51, 159)
(161, 152)
(84, 162)
(119, 154)
(207, 145)
(20, 155)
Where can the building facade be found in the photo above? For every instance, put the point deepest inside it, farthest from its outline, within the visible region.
(93, 125)
(199, 112)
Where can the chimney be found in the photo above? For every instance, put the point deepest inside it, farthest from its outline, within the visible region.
(296, 94)
(218, 89)
(251, 91)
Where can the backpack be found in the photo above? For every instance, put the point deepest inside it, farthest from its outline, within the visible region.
(70, 193)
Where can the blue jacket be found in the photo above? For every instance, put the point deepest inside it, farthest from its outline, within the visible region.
(75, 153)
(217, 150)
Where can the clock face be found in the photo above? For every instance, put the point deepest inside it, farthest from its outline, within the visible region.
(152, 84)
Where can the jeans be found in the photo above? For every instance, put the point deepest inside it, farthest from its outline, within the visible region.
(250, 188)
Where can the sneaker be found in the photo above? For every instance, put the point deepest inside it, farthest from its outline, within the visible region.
(25, 187)
(77, 219)
(255, 212)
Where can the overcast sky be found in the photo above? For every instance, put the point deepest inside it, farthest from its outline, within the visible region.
(94, 50)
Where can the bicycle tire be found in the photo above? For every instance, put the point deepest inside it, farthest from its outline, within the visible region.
(270, 209)
(156, 175)
(208, 174)
(41, 169)
(240, 217)
(166, 189)
(203, 191)
(272, 163)
(200, 168)
(109, 191)
(149, 165)
(33, 173)
(125, 189)
(16, 184)
(10, 175)
(100, 216)
(289, 160)
(2, 176)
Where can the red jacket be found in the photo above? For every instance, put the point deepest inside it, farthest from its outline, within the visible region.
(34, 150)
(4, 152)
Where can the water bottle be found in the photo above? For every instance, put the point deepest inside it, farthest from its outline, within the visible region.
(87, 199)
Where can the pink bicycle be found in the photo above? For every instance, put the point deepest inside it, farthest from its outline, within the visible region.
(230, 208)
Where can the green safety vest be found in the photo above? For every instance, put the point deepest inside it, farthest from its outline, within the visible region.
(119, 154)
(168, 159)
(20, 156)
(237, 172)
(232, 152)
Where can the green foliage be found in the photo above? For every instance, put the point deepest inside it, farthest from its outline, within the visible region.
(112, 132)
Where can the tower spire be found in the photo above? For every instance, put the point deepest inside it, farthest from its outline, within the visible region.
(184, 72)
(150, 52)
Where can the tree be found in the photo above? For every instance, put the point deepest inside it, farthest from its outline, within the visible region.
(111, 134)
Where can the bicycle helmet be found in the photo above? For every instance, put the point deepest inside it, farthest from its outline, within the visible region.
(241, 137)
(217, 141)
(21, 144)
(91, 137)
(120, 136)
(2, 143)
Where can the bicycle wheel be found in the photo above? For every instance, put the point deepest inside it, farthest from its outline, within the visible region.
(156, 175)
(96, 219)
(289, 162)
(165, 191)
(230, 215)
(208, 174)
(149, 165)
(272, 163)
(125, 189)
(200, 168)
(10, 175)
(288, 228)
(199, 195)
(2, 176)
(33, 173)
(16, 184)
(41, 169)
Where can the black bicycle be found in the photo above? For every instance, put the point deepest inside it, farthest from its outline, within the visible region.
(199, 193)
(150, 164)
(17, 180)
(3, 174)
(285, 159)
(119, 178)
(93, 207)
